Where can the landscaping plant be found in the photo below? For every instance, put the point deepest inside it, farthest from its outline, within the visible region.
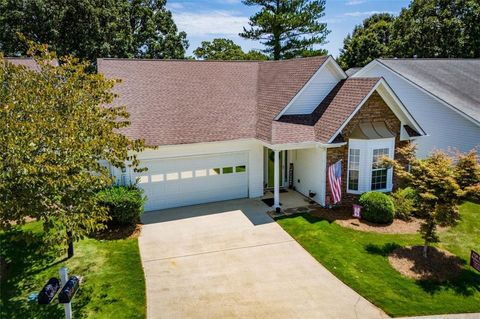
(57, 127)
(467, 173)
(435, 183)
(404, 202)
(377, 207)
(125, 203)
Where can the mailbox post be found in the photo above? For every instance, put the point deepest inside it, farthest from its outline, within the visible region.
(64, 279)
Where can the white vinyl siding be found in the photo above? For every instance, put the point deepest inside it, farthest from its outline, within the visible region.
(319, 87)
(370, 177)
(445, 127)
(309, 172)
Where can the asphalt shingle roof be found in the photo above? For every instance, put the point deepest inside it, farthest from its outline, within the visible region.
(180, 102)
(455, 81)
(337, 106)
(27, 62)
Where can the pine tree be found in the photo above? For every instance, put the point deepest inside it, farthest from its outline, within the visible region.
(288, 28)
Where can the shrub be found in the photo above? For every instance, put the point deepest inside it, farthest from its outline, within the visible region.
(467, 169)
(404, 203)
(125, 203)
(473, 193)
(377, 207)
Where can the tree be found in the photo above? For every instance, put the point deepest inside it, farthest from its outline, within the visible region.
(434, 182)
(467, 173)
(438, 28)
(225, 49)
(369, 41)
(288, 28)
(57, 127)
(92, 28)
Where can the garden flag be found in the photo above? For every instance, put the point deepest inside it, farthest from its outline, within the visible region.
(335, 181)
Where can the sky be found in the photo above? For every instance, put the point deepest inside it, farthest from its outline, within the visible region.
(204, 20)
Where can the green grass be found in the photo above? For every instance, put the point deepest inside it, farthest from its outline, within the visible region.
(113, 283)
(360, 260)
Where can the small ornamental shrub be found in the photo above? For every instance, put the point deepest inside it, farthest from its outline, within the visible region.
(377, 207)
(467, 174)
(467, 169)
(404, 203)
(125, 203)
(473, 192)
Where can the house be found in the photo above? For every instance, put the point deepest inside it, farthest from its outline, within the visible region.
(443, 95)
(232, 129)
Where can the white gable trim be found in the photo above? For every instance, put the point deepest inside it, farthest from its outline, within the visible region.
(402, 115)
(340, 74)
(376, 62)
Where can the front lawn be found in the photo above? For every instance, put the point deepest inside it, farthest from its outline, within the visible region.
(113, 282)
(360, 260)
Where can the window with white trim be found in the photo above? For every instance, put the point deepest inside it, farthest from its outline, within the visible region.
(353, 168)
(379, 173)
(363, 170)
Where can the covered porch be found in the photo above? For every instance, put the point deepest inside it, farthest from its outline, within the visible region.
(294, 175)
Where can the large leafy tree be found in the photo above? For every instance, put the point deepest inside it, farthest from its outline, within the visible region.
(288, 28)
(57, 127)
(92, 28)
(369, 41)
(225, 49)
(438, 28)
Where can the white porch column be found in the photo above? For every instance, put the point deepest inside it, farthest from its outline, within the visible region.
(276, 180)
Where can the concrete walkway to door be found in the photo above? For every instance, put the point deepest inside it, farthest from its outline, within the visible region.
(231, 260)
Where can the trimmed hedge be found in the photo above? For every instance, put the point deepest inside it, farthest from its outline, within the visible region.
(125, 203)
(377, 207)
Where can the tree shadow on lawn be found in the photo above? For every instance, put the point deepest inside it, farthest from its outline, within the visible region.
(466, 283)
(27, 254)
(311, 219)
(116, 232)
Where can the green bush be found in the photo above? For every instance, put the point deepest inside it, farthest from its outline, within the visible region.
(377, 207)
(125, 203)
(404, 203)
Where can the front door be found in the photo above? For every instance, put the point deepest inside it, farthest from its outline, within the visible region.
(269, 172)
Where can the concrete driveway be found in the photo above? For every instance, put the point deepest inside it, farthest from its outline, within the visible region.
(231, 260)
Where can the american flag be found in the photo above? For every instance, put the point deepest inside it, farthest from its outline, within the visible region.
(335, 181)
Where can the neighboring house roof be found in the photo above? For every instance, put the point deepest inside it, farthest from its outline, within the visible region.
(180, 101)
(352, 71)
(454, 81)
(27, 62)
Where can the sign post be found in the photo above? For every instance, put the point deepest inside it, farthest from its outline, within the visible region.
(475, 260)
(64, 279)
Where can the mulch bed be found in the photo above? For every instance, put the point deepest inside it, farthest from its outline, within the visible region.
(343, 217)
(440, 265)
(114, 232)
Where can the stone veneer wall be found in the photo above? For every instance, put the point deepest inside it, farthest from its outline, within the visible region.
(374, 110)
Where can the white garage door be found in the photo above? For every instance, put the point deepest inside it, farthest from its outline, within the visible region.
(185, 181)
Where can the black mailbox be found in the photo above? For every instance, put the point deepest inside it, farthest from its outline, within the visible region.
(48, 291)
(69, 290)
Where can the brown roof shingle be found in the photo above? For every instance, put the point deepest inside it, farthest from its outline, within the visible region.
(180, 102)
(337, 106)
